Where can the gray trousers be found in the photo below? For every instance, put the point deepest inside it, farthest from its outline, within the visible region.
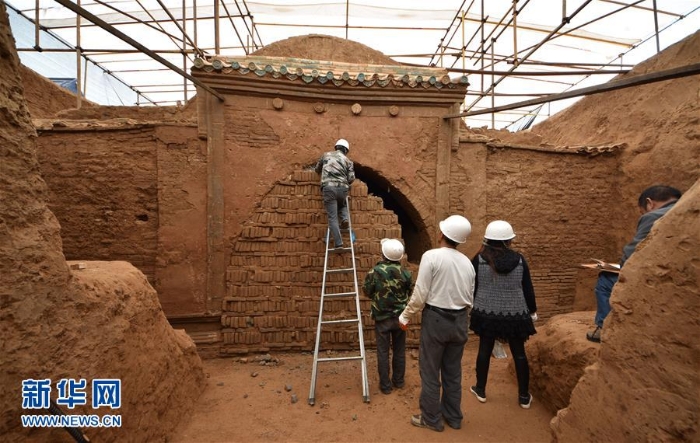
(441, 347)
(334, 201)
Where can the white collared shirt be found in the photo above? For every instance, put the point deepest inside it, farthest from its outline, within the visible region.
(445, 280)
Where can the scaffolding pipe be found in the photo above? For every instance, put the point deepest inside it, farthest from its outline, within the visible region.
(347, 17)
(483, 20)
(447, 30)
(250, 32)
(515, 32)
(217, 46)
(393, 28)
(464, 44)
(117, 33)
(233, 25)
(569, 31)
(252, 23)
(656, 29)
(78, 70)
(539, 45)
(637, 80)
(37, 29)
(673, 14)
(500, 22)
(493, 78)
(185, 37)
(535, 73)
(194, 21)
(184, 54)
(134, 18)
(104, 51)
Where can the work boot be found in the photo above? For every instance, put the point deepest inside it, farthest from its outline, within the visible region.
(345, 224)
(594, 336)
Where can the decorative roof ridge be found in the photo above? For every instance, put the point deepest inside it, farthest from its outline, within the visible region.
(588, 150)
(338, 73)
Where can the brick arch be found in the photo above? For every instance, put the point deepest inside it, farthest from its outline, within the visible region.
(413, 229)
(273, 279)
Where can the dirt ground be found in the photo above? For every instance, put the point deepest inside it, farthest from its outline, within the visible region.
(249, 402)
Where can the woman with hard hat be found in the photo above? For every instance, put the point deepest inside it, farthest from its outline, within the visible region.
(504, 307)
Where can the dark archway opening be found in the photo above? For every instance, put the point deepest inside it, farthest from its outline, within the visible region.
(414, 233)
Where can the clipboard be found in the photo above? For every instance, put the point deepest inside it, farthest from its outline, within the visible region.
(602, 266)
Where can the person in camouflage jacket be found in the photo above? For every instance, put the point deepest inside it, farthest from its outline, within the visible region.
(389, 287)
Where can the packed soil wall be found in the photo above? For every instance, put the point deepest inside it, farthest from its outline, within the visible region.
(79, 323)
(560, 206)
(136, 193)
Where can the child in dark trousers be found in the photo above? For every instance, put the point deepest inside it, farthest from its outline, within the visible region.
(389, 286)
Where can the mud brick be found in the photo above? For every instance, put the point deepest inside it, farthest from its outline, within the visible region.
(269, 203)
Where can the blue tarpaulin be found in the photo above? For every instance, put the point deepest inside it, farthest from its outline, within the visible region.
(70, 84)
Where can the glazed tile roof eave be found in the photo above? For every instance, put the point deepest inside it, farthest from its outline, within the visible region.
(337, 73)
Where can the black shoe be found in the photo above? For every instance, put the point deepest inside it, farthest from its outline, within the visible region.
(594, 335)
(525, 401)
(398, 385)
(454, 425)
(345, 224)
(386, 391)
(417, 420)
(479, 393)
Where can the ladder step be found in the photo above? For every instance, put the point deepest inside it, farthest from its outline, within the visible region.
(338, 250)
(355, 357)
(339, 270)
(340, 294)
(345, 320)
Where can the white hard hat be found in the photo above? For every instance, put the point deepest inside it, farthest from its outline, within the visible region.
(499, 230)
(456, 228)
(392, 249)
(344, 143)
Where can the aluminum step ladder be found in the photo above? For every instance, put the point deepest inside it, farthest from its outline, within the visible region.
(348, 238)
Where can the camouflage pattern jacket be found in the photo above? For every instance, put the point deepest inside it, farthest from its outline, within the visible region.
(335, 169)
(389, 287)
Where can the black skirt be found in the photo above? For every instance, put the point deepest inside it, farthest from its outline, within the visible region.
(501, 326)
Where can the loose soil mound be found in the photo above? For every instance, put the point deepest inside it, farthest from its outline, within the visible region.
(558, 356)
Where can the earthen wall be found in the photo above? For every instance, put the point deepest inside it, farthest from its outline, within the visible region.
(104, 191)
(136, 194)
(560, 208)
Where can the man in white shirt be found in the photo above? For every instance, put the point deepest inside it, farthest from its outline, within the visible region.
(444, 291)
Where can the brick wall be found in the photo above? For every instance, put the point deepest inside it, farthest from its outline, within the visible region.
(103, 190)
(276, 268)
(561, 208)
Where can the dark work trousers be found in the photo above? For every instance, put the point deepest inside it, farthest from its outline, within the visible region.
(334, 201)
(442, 343)
(389, 334)
(517, 349)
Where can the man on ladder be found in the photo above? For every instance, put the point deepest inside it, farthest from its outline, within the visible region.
(337, 174)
